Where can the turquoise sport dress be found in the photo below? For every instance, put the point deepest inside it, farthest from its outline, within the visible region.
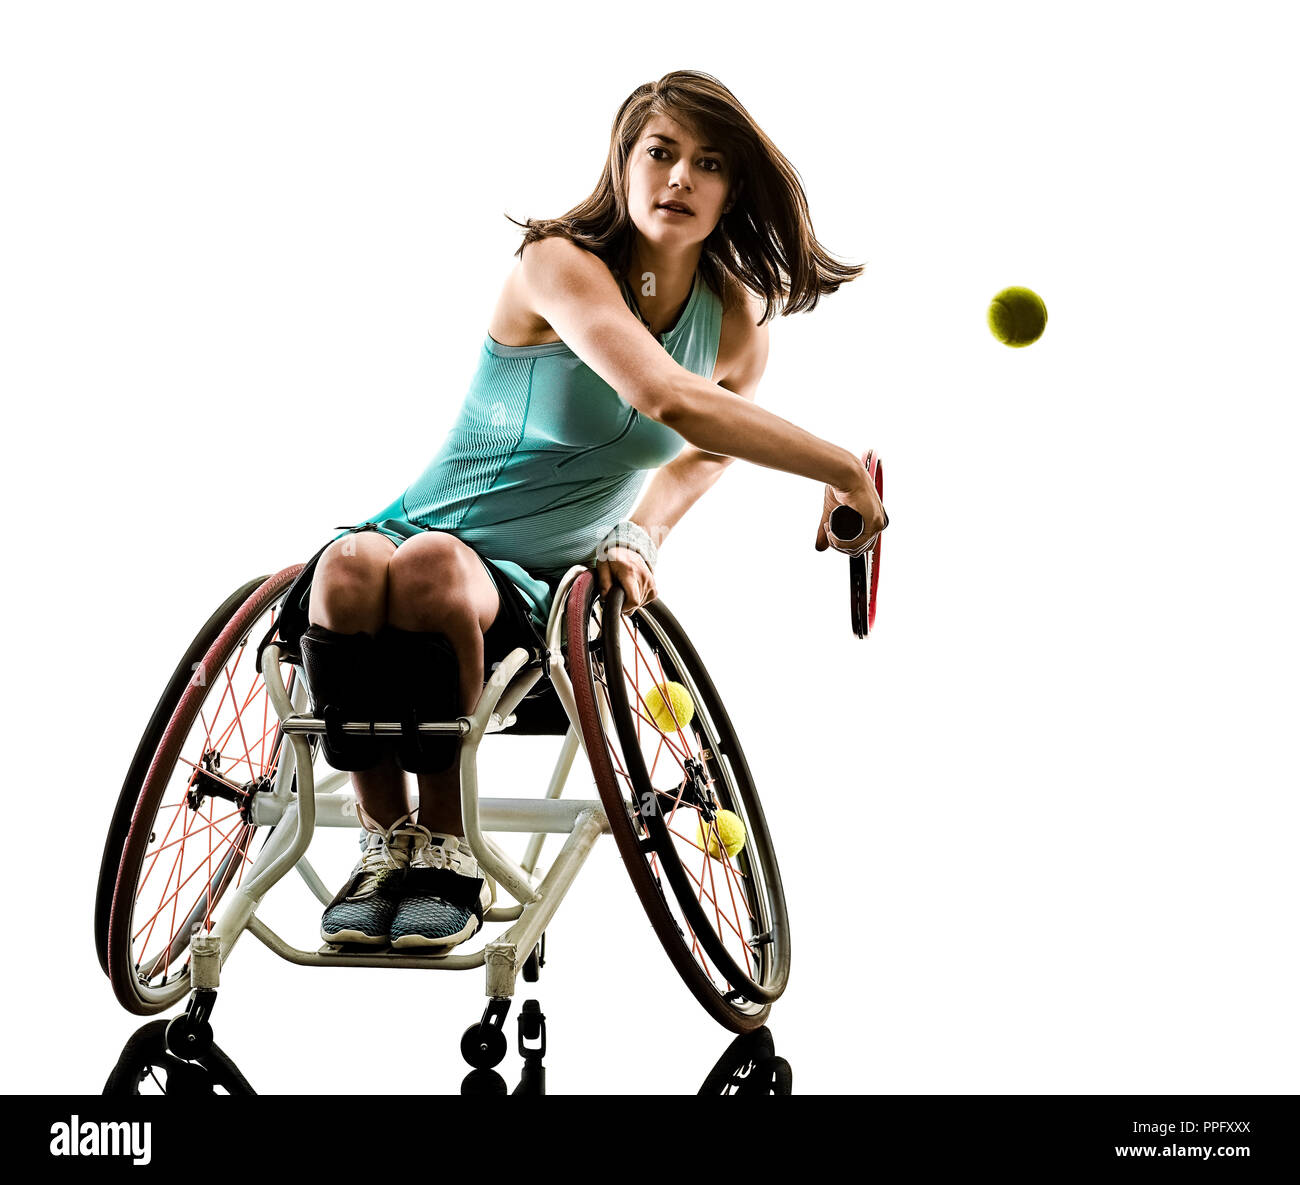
(545, 456)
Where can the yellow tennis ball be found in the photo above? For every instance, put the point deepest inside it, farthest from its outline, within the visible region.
(1017, 317)
(669, 718)
(730, 829)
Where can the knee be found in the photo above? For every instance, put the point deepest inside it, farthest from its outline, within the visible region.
(350, 582)
(429, 583)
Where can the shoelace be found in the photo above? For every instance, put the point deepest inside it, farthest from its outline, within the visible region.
(437, 855)
(385, 859)
(462, 861)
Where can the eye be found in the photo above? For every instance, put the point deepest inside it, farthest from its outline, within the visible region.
(717, 164)
(656, 148)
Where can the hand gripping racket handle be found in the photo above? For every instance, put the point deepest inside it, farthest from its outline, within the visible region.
(864, 569)
(846, 523)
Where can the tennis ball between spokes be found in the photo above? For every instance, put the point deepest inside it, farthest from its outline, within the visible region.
(670, 706)
(729, 828)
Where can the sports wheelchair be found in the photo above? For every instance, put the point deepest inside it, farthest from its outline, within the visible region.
(223, 796)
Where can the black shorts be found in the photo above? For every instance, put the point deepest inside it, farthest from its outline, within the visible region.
(513, 625)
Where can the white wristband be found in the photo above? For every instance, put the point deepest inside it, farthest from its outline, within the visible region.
(632, 536)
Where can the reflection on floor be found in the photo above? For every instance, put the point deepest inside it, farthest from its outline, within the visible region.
(149, 1064)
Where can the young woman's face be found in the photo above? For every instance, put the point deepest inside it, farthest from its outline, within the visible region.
(669, 165)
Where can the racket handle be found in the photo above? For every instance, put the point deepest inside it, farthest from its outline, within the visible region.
(846, 523)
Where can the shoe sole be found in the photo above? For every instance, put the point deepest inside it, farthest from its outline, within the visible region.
(420, 942)
(355, 936)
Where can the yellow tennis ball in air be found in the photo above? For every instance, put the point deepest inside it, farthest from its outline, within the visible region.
(730, 829)
(669, 718)
(1017, 317)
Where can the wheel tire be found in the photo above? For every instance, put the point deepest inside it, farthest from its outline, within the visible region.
(141, 997)
(483, 1046)
(739, 1015)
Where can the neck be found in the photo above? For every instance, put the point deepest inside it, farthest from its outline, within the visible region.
(661, 283)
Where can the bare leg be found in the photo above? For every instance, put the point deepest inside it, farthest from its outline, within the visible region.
(349, 595)
(440, 800)
(441, 586)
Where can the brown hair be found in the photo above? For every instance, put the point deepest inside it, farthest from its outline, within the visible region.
(765, 241)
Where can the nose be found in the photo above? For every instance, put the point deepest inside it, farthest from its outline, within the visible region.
(681, 176)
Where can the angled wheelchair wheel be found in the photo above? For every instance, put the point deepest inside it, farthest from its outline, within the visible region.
(148, 746)
(213, 743)
(719, 912)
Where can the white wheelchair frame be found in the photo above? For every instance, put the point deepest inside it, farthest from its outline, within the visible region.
(298, 810)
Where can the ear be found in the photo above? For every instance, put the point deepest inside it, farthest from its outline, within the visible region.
(735, 195)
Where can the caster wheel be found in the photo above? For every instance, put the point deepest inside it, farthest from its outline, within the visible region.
(483, 1046)
(532, 968)
(530, 1022)
(188, 1039)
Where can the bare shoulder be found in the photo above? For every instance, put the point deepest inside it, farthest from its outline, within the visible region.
(742, 343)
(558, 251)
(515, 320)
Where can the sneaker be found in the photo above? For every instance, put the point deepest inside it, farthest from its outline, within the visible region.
(365, 906)
(444, 897)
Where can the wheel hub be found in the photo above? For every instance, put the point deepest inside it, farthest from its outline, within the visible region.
(208, 783)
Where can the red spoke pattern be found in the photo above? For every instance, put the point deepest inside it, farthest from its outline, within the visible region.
(720, 885)
(199, 844)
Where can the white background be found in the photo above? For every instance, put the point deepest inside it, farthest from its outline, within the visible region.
(1038, 833)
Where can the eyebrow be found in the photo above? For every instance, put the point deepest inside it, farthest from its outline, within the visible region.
(703, 147)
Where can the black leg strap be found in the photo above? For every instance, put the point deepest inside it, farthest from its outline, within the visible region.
(343, 673)
(424, 676)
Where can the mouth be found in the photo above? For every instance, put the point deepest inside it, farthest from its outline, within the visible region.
(676, 208)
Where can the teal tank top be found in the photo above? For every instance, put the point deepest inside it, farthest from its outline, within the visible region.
(545, 456)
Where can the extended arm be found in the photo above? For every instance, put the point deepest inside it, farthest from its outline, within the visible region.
(579, 298)
(681, 483)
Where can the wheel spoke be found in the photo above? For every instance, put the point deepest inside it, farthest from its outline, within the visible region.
(211, 823)
(241, 847)
(713, 899)
(223, 740)
(239, 718)
(234, 759)
(153, 831)
(180, 855)
(173, 898)
(207, 742)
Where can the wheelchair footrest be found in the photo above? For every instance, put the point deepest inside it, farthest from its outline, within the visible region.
(385, 953)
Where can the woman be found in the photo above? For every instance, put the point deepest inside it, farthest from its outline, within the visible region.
(630, 336)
